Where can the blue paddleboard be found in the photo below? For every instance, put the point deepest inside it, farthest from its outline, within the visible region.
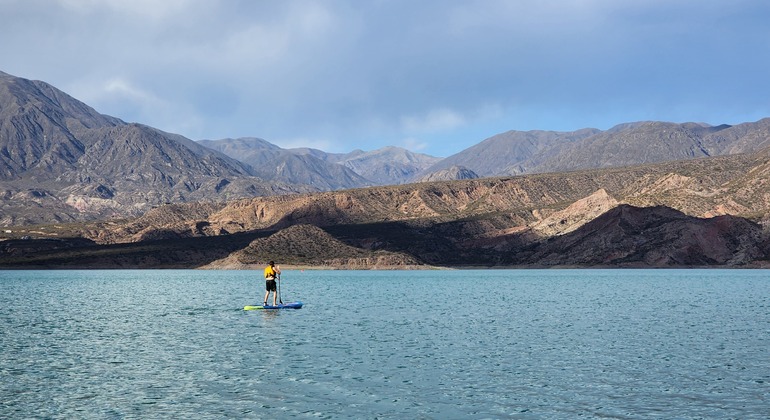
(290, 305)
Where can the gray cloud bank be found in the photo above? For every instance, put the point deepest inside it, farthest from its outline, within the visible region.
(436, 76)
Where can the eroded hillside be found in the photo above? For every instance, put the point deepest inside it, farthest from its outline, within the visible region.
(695, 212)
(701, 188)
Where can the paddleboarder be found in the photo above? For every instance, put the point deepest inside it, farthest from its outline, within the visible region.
(271, 272)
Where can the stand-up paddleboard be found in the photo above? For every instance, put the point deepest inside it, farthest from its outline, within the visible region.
(290, 305)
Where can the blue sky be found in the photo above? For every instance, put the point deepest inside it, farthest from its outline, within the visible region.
(434, 76)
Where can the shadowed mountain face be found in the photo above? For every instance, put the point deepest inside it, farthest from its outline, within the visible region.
(320, 248)
(653, 237)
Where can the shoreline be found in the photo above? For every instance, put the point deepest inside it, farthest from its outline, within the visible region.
(303, 267)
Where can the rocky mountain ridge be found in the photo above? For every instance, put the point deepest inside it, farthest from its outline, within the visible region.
(646, 142)
(273, 163)
(537, 151)
(325, 171)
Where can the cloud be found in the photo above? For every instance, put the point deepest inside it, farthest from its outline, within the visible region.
(434, 120)
(117, 91)
(126, 98)
(124, 89)
(152, 9)
(413, 144)
(350, 74)
(313, 143)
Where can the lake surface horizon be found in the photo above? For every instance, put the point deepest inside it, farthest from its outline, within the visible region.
(443, 344)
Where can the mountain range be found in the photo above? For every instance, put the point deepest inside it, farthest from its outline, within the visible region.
(518, 152)
(63, 161)
(638, 194)
(321, 170)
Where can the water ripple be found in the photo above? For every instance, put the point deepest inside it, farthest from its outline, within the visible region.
(483, 344)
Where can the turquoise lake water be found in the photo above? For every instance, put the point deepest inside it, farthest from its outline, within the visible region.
(530, 344)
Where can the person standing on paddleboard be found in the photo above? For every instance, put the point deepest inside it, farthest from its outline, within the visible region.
(271, 271)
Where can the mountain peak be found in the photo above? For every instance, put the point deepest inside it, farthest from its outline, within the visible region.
(73, 154)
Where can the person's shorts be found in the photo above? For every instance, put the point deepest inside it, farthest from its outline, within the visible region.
(270, 285)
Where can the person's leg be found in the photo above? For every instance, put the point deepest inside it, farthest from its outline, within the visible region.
(267, 293)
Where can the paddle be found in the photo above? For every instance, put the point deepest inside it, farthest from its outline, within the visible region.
(278, 276)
